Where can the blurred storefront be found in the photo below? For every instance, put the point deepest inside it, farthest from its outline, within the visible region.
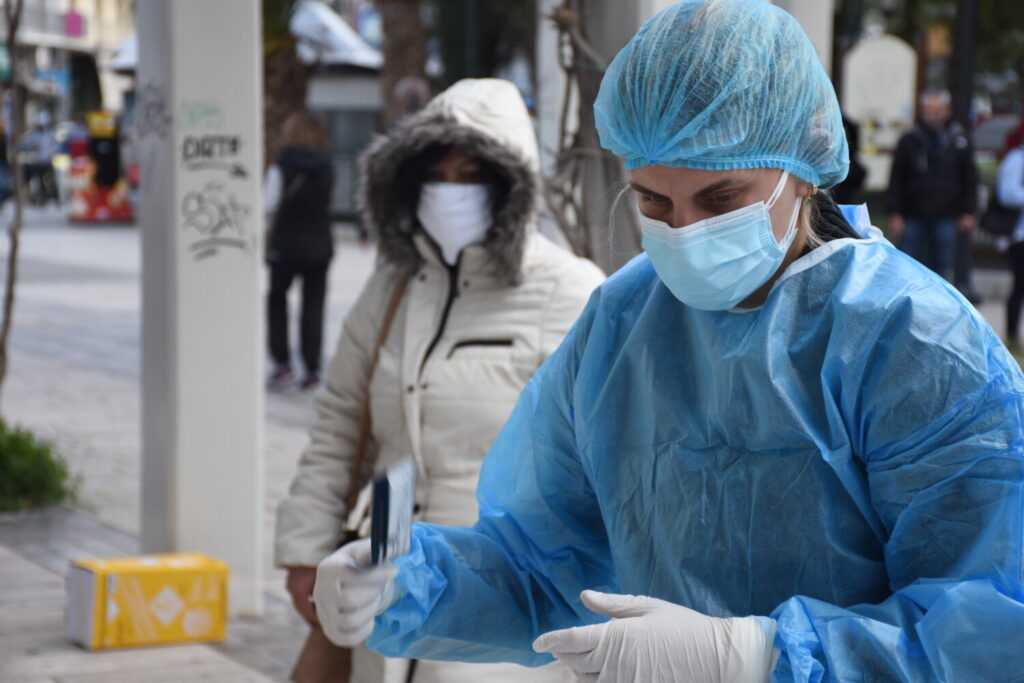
(98, 190)
(67, 46)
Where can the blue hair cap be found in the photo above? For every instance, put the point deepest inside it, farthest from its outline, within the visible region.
(720, 85)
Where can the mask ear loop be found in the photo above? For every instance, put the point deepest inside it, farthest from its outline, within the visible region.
(791, 230)
(777, 192)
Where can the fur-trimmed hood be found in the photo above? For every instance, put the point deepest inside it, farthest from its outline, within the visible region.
(487, 118)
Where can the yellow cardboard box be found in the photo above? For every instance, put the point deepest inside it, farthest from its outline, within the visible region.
(147, 600)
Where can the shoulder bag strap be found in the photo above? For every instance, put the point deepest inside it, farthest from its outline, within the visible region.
(363, 436)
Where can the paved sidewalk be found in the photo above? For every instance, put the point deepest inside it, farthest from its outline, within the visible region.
(74, 378)
(35, 551)
(32, 648)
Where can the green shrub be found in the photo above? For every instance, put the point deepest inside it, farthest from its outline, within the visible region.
(31, 472)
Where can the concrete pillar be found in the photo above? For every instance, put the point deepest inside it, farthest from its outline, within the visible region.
(198, 113)
(550, 84)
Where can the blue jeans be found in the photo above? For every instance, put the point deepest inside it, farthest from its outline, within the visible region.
(932, 241)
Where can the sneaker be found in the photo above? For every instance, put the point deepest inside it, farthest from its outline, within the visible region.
(310, 381)
(281, 378)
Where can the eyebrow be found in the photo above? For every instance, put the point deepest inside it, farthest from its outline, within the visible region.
(721, 185)
(710, 189)
(643, 190)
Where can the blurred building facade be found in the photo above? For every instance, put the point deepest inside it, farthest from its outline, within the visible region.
(66, 47)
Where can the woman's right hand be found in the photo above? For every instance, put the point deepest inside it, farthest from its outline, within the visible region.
(300, 586)
(348, 593)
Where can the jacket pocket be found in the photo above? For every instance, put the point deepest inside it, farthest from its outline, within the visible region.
(479, 343)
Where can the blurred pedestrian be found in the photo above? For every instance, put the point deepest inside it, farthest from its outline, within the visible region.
(41, 146)
(411, 93)
(1014, 139)
(1010, 187)
(452, 191)
(933, 187)
(297, 197)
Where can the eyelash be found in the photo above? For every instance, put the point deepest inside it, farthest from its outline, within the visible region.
(723, 198)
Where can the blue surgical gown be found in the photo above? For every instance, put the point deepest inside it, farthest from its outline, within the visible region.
(846, 458)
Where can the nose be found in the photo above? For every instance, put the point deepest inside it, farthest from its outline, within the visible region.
(684, 215)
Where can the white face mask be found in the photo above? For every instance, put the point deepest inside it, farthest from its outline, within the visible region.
(455, 215)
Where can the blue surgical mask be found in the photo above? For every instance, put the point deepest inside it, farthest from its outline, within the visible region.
(718, 262)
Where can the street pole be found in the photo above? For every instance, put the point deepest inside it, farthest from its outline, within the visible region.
(199, 105)
(471, 38)
(962, 90)
(962, 73)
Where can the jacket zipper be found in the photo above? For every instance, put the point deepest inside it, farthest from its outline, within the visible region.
(453, 291)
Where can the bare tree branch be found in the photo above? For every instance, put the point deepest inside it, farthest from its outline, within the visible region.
(12, 13)
(578, 192)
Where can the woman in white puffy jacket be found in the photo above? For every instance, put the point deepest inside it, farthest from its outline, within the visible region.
(452, 193)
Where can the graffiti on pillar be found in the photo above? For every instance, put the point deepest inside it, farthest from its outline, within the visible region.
(212, 215)
(200, 113)
(218, 220)
(213, 153)
(153, 116)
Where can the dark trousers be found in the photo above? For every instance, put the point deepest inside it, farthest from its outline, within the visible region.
(932, 241)
(1013, 304)
(311, 326)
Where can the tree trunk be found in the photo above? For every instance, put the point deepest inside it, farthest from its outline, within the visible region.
(12, 13)
(584, 192)
(405, 49)
(285, 83)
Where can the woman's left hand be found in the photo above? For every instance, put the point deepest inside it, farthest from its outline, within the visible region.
(652, 640)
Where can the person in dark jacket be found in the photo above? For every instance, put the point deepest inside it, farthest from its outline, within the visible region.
(297, 194)
(851, 190)
(933, 189)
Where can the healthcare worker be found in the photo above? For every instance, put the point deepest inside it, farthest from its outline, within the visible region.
(769, 449)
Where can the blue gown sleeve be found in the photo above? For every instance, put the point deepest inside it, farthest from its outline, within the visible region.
(539, 541)
(936, 414)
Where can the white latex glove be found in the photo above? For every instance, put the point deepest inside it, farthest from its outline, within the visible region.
(651, 640)
(347, 593)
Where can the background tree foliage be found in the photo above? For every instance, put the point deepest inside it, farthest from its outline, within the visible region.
(999, 43)
(285, 78)
(405, 48)
(502, 29)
